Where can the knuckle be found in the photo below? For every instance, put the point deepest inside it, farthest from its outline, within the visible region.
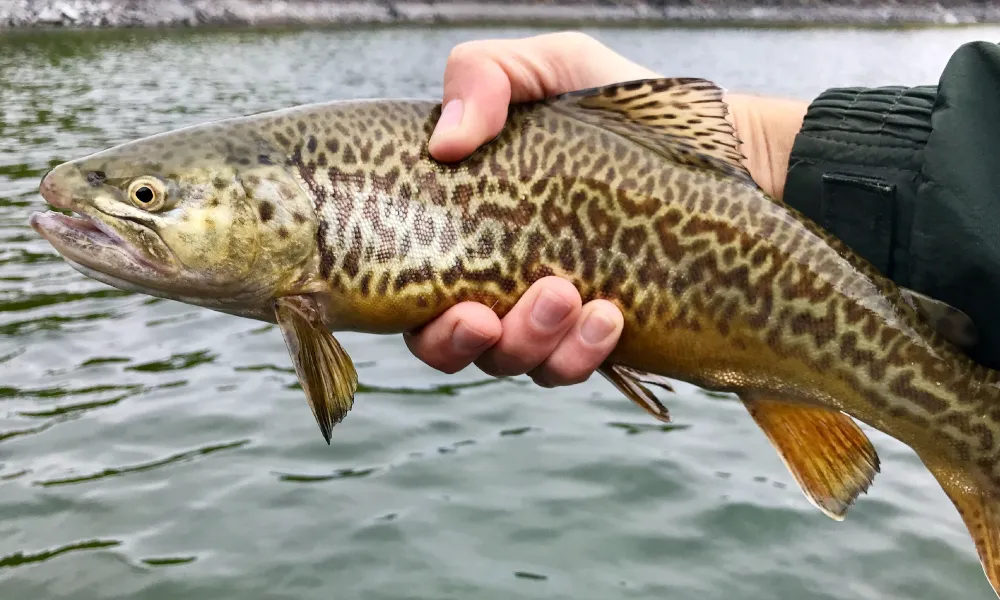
(551, 377)
(507, 369)
(448, 367)
(574, 36)
(569, 370)
(542, 381)
(465, 52)
(502, 364)
(574, 377)
(576, 41)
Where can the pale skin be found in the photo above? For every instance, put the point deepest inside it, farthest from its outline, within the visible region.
(550, 335)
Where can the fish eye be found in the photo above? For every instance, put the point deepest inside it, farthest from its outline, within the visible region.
(147, 193)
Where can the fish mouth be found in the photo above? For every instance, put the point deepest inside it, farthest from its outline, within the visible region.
(85, 239)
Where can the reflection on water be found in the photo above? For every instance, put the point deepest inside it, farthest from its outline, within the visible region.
(138, 434)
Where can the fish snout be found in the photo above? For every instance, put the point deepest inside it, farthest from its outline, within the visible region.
(57, 185)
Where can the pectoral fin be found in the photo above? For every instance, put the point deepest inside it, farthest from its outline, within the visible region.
(630, 382)
(325, 371)
(826, 452)
(980, 512)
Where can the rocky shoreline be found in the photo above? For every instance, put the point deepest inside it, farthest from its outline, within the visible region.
(84, 14)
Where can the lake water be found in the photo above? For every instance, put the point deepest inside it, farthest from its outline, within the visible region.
(151, 450)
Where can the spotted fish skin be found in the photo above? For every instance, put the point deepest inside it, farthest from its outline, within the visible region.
(720, 285)
(636, 194)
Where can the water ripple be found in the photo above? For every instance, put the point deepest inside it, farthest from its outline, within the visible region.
(11, 355)
(26, 257)
(176, 362)
(14, 475)
(104, 360)
(32, 301)
(53, 323)
(637, 428)
(19, 559)
(142, 467)
(338, 474)
(169, 561)
(445, 389)
(72, 408)
(16, 433)
(62, 392)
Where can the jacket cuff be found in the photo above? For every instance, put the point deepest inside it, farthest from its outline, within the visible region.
(854, 168)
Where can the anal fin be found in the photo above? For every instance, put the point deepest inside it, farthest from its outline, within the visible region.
(830, 457)
(630, 382)
(980, 513)
(324, 369)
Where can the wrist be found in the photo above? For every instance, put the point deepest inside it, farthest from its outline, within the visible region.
(767, 128)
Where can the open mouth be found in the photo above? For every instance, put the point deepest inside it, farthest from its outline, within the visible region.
(84, 239)
(80, 226)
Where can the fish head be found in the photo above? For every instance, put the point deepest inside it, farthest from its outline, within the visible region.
(206, 215)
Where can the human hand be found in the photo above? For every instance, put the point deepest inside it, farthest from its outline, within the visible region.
(549, 334)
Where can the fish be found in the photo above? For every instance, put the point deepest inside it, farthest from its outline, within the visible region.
(333, 217)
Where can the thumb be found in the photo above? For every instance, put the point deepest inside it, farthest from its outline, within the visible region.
(476, 95)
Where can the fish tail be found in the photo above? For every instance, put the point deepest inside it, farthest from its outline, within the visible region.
(980, 510)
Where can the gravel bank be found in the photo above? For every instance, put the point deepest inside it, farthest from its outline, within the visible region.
(21, 14)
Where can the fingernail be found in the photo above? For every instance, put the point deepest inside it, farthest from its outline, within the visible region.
(596, 328)
(466, 340)
(451, 115)
(549, 310)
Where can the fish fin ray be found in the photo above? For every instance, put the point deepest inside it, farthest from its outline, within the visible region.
(324, 369)
(953, 324)
(827, 453)
(630, 382)
(681, 119)
(980, 513)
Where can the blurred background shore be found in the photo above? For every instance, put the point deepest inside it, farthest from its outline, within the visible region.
(20, 14)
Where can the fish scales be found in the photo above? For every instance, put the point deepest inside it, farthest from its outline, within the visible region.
(334, 217)
(732, 289)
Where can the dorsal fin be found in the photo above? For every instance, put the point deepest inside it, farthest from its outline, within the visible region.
(681, 119)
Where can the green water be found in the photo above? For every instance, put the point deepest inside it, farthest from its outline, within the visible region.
(152, 450)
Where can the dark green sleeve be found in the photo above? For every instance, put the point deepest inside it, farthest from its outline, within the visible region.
(909, 177)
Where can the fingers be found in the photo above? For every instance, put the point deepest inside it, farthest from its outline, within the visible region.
(533, 328)
(483, 77)
(548, 335)
(456, 338)
(584, 348)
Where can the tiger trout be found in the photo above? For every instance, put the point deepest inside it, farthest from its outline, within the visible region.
(333, 217)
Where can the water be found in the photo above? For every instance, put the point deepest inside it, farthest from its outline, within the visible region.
(152, 450)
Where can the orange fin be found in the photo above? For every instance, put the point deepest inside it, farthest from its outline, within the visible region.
(980, 512)
(630, 382)
(830, 457)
